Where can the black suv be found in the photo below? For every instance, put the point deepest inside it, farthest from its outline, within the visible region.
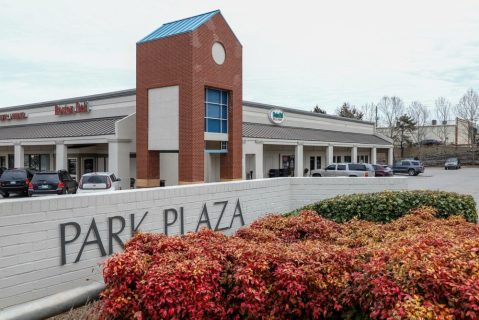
(411, 167)
(52, 182)
(15, 181)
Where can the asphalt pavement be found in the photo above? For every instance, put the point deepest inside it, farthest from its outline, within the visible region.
(464, 180)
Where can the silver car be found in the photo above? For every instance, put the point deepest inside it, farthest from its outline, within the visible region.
(452, 163)
(345, 170)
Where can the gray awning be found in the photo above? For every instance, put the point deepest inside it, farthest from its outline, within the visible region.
(264, 131)
(75, 128)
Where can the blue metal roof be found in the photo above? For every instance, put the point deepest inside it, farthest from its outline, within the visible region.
(177, 27)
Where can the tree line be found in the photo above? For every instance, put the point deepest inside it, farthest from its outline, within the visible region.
(406, 123)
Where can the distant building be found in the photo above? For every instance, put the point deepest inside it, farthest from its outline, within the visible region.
(455, 132)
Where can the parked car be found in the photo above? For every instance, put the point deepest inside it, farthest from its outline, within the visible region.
(98, 182)
(345, 170)
(411, 167)
(429, 142)
(15, 181)
(51, 182)
(382, 170)
(452, 163)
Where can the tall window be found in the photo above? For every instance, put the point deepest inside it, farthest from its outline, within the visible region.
(216, 111)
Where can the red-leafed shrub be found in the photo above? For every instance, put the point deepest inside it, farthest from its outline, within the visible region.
(301, 267)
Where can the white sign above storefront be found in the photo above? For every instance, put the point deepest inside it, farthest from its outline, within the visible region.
(276, 116)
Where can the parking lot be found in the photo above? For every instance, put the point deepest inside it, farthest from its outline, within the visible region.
(465, 180)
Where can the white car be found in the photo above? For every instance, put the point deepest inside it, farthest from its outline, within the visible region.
(345, 170)
(98, 182)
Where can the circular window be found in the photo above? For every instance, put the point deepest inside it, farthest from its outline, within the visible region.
(218, 52)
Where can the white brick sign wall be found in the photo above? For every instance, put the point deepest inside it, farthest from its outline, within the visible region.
(41, 238)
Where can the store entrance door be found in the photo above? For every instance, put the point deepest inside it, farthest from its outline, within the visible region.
(73, 168)
(287, 164)
(88, 165)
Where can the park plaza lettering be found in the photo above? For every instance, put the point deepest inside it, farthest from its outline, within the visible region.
(171, 217)
(13, 116)
(78, 107)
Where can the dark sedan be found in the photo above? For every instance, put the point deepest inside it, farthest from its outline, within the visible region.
(15, 181)
(52, 183)
(381, 170)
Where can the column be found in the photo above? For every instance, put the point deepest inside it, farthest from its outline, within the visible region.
(329, 155)
(374, 157)
(354, 154)
(243, 163)
(19, 155)
(298, 160)
(390, 156)
(258, 161)
(119, 160)
(61, 156)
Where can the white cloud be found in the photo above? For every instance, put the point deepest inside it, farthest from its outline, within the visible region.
(297, 54)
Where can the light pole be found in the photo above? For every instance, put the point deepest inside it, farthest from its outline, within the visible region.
(473, 141)
(401, 127)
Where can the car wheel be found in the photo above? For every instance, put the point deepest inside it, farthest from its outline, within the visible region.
(411, 172)
(316, 175)
(6, 195)
(445, 168)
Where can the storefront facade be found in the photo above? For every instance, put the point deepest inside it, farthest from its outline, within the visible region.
(185, 122)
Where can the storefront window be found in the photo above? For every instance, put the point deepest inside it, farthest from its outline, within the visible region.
(72, 167)
(37, 162)
(11, 161)
(216, 111)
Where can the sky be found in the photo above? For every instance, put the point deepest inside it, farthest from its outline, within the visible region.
(295, 53)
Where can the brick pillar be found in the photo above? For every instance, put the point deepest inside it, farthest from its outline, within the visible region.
(231, 162)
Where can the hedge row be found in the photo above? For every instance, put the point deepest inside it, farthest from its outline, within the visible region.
(390, 205)
(301, 267)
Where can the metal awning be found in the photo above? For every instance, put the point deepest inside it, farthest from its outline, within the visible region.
(264, 131)
(75, 128)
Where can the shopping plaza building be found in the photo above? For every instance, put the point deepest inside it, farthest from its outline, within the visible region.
(186, 121)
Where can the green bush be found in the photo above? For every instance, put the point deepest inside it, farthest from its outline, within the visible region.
(390, 205)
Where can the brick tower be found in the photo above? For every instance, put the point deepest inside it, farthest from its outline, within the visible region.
(189, 99)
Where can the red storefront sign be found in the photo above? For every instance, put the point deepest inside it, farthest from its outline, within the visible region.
(13, 116)
(79, 107)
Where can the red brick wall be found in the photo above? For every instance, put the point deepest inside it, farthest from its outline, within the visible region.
(186, 60)
(228, 76)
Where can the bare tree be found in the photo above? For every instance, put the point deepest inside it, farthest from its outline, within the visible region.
(468, 109)
(420, 114)
(369, 111)
(391, 109)
(443, 113)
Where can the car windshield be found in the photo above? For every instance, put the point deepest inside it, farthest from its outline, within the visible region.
(451, 160)
(14, 175)
(94, 179)
(48, 177)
